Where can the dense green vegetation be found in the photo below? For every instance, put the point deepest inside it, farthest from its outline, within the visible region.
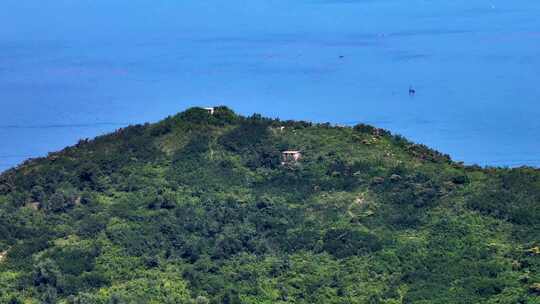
(198, 208)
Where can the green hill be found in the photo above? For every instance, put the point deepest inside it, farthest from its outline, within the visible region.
(202, 208)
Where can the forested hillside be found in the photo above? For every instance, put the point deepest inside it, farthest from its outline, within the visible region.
(199, 208)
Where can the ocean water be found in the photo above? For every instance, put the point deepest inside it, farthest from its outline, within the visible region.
(77, 69)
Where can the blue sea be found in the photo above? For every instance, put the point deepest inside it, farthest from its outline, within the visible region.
(77, 69)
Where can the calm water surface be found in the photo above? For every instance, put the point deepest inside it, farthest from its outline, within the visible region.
(76, 69)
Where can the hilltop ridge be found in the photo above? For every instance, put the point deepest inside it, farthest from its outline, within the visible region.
(201, 207)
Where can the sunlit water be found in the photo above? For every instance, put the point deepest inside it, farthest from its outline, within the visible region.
(76, 69)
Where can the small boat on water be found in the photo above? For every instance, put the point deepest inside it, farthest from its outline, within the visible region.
(412, 91)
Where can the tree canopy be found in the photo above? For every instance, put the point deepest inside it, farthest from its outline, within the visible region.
(199, 208)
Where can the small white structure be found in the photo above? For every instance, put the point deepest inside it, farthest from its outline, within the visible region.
(210, 110)
(290, 156)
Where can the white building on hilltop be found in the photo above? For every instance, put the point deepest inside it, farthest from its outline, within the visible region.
(290, 156)
(210, 110)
